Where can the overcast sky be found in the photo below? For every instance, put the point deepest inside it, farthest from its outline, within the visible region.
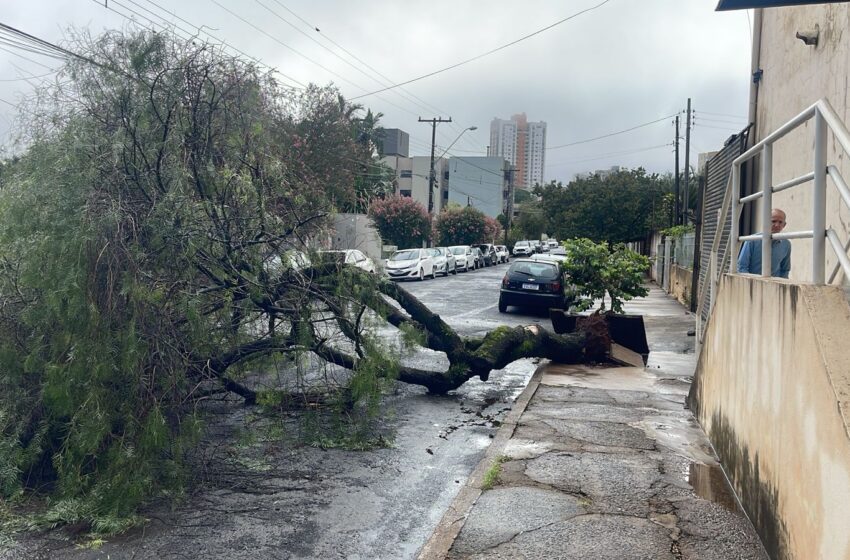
(619, 65)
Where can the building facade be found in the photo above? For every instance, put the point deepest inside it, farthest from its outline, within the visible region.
(523, 145)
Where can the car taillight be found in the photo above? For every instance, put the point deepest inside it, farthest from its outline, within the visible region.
(556, 287)
(505, 281)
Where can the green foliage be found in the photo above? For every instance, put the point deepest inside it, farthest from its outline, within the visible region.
(531, 221)
(678, 231)
(401, 221)
(146, 237)
(594, 270)
(465, 226)
(491, 476)
(617, 208)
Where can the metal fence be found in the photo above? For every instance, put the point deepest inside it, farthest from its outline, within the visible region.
(683, 251)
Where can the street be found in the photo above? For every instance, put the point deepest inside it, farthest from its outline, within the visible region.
(281, 499)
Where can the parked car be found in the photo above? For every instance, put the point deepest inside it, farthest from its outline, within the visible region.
(444, 261)
(479, 258)
(489, 252)
(523, 249)
(553, 243)
(353, 257)
(558, 251)
(410, 263)
(502, 253)
(464, 257)
(536, 246)
(534, 282)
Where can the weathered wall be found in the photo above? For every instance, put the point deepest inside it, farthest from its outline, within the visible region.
(681, 280)
(355, 231)
(772, 390)
(794, 76)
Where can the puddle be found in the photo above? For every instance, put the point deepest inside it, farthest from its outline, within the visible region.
(709, 483)
(682, 435)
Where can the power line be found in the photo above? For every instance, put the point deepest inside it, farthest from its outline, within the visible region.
(482, 55)
(612, 133)
(612, 154)
(325, 36)
(723, 115)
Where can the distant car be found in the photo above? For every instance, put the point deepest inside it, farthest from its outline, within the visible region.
(410, 263)
(464, 257)
(536, 246)
(523, 249)
(489, 252)
(536, 282)
(352, 257)
(502, 253)
(558, 251)
(291, 259)
(444, 261)
(553, 243)
(479, 257)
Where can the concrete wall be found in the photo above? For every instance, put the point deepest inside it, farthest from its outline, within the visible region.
(795, 76)
(772, 390)
(355, 231)
(681, 280)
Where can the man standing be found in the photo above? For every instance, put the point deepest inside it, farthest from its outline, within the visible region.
(749, 261)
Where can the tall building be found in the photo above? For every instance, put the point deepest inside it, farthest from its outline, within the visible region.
(523, 144)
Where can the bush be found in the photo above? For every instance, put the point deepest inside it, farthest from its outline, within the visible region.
(401, 221)
(595, 269)
(462, 226)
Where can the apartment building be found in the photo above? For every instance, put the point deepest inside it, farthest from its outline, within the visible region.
(523, 145)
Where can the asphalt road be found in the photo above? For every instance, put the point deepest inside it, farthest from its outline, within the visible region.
(277, 498)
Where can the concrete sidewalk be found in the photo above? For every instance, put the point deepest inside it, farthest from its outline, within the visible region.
(602, 463)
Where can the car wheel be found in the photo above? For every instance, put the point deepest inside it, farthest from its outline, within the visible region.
(433, 273)
(454, 270)
(503, 308)
(421, 275)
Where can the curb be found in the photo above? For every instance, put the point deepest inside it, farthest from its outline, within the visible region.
(450, 525)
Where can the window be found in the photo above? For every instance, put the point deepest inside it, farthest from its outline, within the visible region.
(405, 192)
(405, 174)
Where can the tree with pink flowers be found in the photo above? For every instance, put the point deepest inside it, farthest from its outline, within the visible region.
(401, 221)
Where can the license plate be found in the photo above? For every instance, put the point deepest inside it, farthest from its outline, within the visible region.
(530, 287)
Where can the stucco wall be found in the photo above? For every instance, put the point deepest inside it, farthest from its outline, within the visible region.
(772, 390)
(795, 76)
(355, 231)
(680, 283)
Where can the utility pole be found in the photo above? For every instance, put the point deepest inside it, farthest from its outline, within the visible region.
(678, 209)
(687, 167)
(509, 203)
(431, 177)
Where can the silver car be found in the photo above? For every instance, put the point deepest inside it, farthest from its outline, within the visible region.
(444, 261)
(464, 257)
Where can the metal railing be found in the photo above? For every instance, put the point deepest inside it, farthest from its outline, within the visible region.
(825, 120)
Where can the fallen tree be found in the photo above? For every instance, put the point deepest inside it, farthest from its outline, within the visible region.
(153, 248)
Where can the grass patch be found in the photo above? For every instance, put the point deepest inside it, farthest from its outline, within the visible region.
(491, 477)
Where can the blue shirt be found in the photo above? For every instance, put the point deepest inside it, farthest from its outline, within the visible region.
(749, 260)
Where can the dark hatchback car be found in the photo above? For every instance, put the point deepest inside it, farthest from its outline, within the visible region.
(532, 283)
(489, 253)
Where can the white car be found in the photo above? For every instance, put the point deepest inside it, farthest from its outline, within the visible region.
(444, 261)
(353, 257)
(410, 263)
(464, 257)
(502, 254)
(523, 249)
(553, 243)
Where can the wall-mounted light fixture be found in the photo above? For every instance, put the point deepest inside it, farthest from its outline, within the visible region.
(809, 37)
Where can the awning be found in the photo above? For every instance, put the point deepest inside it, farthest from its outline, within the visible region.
(724, 5)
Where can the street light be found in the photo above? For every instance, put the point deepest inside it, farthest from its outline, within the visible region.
(431, 176)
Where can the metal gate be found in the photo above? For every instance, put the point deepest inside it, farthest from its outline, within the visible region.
(717, 176)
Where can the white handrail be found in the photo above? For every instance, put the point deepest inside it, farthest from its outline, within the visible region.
(826, 120)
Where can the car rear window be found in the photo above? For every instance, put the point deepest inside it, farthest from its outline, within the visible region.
(536, 269)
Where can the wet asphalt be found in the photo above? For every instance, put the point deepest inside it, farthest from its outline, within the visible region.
(258, 497)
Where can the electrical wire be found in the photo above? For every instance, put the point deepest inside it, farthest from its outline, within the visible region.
(609, 155)
(611, 134)
(482, 55)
